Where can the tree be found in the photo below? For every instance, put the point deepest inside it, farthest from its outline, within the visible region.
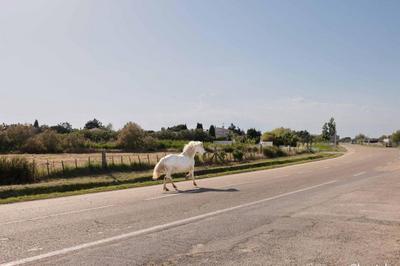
(360, 138)
(36, 124)
(178, 128)
(93, 124)
(199, 126)
(281, 136)
(211, 131)
(396, 138)
(131, 137)
(329, 130)
(332, 127)
(63, 128)
(254, 134)
(325, 132)
(304, 137)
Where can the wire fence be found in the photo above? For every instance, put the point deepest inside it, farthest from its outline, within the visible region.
(70, 165)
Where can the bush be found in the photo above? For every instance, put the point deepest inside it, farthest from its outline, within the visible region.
(273, 152)
(16, 171)
(238, 155)
(131, 137)
(18, 135)
(150, 143)
(74, 142)
(228, 149)
(51, 141)
(34, 145)
(5, 142)
(99, 134)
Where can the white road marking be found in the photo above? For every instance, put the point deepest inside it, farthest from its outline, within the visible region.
(55, 215)
(157, 227)
(361, 173)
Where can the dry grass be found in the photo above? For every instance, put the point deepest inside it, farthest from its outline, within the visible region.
(74, 160)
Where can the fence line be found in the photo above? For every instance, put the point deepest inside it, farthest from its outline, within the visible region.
(104, 160)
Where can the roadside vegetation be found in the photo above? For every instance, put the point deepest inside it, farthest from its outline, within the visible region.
(132, 151)
(59, 187)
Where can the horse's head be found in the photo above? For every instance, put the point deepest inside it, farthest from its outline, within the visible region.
(193, 147)
(199, 147)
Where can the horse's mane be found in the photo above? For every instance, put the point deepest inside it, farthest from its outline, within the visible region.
(189, 148)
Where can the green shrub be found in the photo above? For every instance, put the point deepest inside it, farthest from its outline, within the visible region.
(228, 149)
(34, 145)
(74, 142)
(131, 137)
(164, 144)
(16, 171)
(273, 152)
(238, 155)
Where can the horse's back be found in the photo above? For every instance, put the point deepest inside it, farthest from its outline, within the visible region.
(177, 161)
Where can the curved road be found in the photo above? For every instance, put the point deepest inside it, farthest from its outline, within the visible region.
(343, 211)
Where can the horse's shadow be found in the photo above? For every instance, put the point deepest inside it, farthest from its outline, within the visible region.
(204, 189)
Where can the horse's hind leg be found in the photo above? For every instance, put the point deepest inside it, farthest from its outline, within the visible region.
(169, 177)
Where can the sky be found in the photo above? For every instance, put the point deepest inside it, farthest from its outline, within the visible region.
(262, 64)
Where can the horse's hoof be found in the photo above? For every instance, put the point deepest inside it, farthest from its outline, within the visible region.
(166, 189)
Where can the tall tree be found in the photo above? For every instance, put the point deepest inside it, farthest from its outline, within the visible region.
(325, 132)
(329, 130)
(178, 128)
(36, 124)
(396, 138)
(254, 134)
(199, 126)
(211, 131)
(93, 124)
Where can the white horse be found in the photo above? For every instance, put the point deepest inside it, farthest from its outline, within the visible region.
(183, 162)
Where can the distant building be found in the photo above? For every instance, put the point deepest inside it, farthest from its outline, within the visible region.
(266, 143)
(387, 142)
(221, 133)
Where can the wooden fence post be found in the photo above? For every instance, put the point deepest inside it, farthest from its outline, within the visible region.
(48, 168)
(103, 160)
(140, 163)
(76, 163)
(33, 169)
(122, 159)
(148, 159)
(89, 162)
(62, 165)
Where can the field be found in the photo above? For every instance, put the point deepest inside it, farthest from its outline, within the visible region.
(56, 162)
(40, 167)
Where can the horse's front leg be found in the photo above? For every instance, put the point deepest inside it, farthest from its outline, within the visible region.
(194, 180)
(165, 184)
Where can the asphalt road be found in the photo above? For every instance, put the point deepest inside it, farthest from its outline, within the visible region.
(343, 211)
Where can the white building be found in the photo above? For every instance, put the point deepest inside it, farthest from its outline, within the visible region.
(221, 133)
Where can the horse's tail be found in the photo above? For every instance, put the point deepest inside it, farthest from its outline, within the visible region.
(158, 169)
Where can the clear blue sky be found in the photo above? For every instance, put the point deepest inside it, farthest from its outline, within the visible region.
(258, 64)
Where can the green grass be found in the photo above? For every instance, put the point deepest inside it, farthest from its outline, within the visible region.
(327, 147)
(83, 185)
